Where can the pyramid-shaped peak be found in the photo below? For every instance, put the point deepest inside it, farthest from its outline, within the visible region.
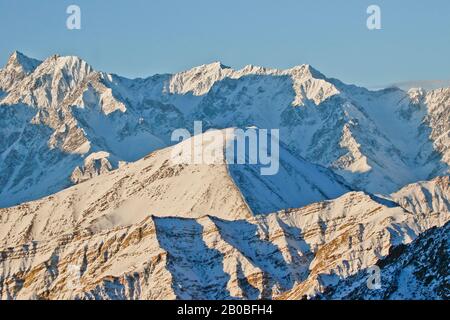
(199, 80)
(251, 68)
(307, 69)
(67, 64)
(18, 60)
(18, 56)
(68, 60)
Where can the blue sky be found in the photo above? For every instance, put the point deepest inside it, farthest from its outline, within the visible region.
(143, 37)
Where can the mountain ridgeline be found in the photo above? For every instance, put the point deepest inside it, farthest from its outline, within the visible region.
(92, 205)
(63, 122)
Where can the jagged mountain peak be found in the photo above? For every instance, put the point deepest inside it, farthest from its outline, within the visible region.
(16, 69)
(71, 65)
(24, 63)
(286, 254)
(199, 80)
(169, 183)
(415, 271)
(417, 95)
(308, 83)
(50, 83)
(306, 70)
(53, 64)
(299, 71)
(425, 196)
(71, 139)
(332, 119)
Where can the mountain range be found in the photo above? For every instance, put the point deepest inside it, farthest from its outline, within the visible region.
(87, 184)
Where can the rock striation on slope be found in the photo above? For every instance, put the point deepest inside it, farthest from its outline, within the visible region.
(284, 255)
(417, 271)
(161, 185)
(111, 218)
(58, 112)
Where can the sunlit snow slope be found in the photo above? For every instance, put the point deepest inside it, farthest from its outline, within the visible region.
(57, 116)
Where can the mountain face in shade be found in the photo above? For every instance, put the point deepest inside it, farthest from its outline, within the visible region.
(97, 201)
(159, 185)
(416, 271)
(58, 112)
(17, 68)
(56, 252)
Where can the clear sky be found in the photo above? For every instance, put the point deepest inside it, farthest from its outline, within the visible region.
(138, 38)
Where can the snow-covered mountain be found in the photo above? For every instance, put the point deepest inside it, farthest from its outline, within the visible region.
(425, 196)
(419, 270)
(97, 202)
(63, 111)
(160, 185)
(17, 68)
(58, 254)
